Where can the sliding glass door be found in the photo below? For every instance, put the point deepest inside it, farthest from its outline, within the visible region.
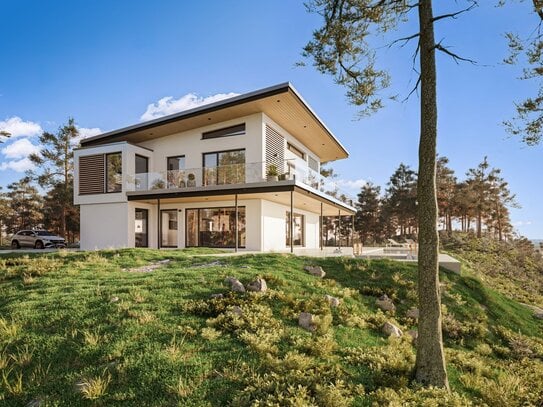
(215, 227)
(224, 167)
(140, 224)
(168, 228)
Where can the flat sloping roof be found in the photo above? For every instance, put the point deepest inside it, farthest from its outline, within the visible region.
(282, 103)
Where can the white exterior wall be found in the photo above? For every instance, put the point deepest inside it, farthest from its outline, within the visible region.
(191, 145)
(274, 227)
(105, 226)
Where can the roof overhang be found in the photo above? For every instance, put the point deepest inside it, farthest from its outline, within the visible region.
(282, 103)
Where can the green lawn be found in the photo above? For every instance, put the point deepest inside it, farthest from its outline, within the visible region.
(79, 329)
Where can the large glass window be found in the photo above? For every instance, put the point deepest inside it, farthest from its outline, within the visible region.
(114, 172)
(140, 225)
(224, 167)
(176, 173)
(142, 169)
(215, 227)
(298, 229)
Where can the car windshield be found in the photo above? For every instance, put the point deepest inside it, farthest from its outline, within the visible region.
(43, 233)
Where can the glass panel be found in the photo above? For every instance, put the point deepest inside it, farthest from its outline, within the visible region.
(210, 173)
(192, 227)
(231, 168)
(298, 230)
(140, 225)
(216, 227)
(168, 227)
(142, 168)
(114, 169)
(176, 173)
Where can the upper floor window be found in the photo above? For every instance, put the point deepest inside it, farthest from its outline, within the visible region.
(114, 172)
(237, 130)
(296, 151)
(312, 163)
(224, 167)
(176, 163)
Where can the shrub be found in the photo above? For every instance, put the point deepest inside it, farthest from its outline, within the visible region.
(424, 397)
(93, 388)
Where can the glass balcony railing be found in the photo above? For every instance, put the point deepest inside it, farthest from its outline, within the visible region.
(235, 174)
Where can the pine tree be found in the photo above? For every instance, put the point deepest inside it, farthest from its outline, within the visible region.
(401, 199)
(446, 187)
(367, 218)
(25, 204)
(55, 166)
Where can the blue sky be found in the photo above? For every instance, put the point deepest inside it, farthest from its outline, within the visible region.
(104, 63)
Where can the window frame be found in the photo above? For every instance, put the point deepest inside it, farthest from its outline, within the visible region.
(296, 151)
(288, 224)
(216, 153)
(228, 131)
(198, 229)
(106, 172)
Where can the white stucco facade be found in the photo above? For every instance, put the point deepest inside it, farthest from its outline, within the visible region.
(115, 219)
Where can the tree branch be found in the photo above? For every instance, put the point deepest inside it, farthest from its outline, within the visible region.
(456, 57)
(404, 39)
(454, 15)
(414, 89)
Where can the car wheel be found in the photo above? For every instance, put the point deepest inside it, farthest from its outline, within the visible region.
(39, 245)
(15, 245)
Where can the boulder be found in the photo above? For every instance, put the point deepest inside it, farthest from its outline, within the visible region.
(235, 284)
(385, 303)
(333, 301)
(217, 296)
(305, 320)
(237, 310)
(391, 330)
(413, 313)
(316, 271)
(259, 285)
(538, 312)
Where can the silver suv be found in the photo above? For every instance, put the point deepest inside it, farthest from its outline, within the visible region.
(38, 239)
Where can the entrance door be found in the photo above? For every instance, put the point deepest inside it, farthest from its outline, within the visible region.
(141, 222)
(168, 228)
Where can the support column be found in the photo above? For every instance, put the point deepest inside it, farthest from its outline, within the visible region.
(352, 231)
(291, 221)
(320, 229)
(236, 228)
(339, 228)
(158, 225)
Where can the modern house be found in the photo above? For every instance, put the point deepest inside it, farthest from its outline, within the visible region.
(241, 173)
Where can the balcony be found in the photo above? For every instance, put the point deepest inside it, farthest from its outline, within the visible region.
(296, 171)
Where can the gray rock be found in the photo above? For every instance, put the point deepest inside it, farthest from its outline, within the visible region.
(114, 299)
(235, 284)
(259, 285)
(413, 333)
(333, 301)
(34, 403)
(538, 312)
(413, 313)
(305, 320)
(216, 296)
(316, 271)
(237, 310)
(391, 330)
(385, 304)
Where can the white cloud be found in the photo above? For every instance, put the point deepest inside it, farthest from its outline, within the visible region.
(21, 165)
(168, 105)
(17, 127)
(85, 132)
(522, 223)
(21, 148)
(350, 184)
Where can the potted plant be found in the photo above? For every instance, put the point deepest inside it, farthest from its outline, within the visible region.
(191, 180)
(283, 176)
(158, 184)
(272, 174)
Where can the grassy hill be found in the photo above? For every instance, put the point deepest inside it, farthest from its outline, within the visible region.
(91, 329)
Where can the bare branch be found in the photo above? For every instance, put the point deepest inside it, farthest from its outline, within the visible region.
(404, 39)
(456, 57)
(415, 88)
(454, 15)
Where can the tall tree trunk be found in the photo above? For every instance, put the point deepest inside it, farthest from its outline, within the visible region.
(430, 364)
(479, 223)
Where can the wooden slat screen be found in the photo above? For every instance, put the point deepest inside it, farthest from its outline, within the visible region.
(92, 174)
(275, 149)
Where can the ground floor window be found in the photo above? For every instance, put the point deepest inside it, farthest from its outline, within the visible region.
(215, 227)
(298, 230)
(141, 226)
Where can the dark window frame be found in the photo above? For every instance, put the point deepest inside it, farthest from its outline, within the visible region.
(106, 172)
(146, 212)
(289, 225)
(198, 225)
(177, 228)
(218, 165)
(235, 130)
(295, 150)
(175, 156)
(146, 164)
